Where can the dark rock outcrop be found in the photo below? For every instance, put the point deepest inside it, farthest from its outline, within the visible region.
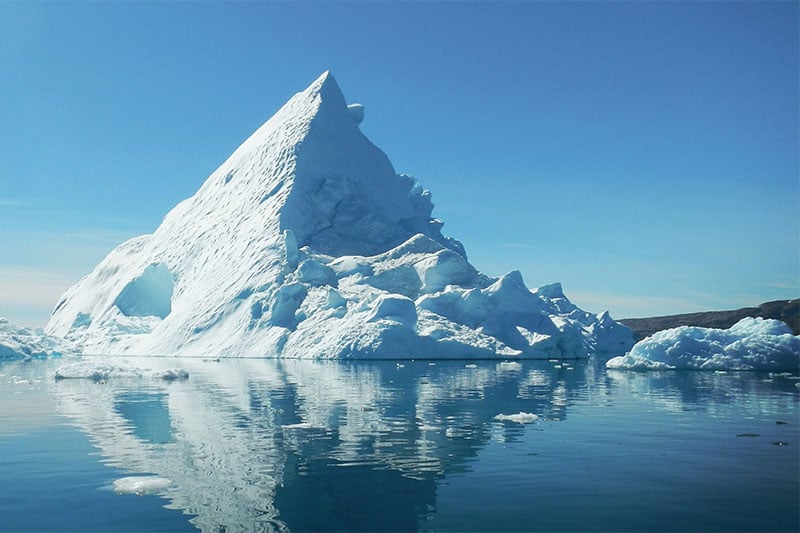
(787, 311)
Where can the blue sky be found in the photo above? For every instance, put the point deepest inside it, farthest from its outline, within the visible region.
(645, 154)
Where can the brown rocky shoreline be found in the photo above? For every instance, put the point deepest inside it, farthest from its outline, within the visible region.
(787, 311)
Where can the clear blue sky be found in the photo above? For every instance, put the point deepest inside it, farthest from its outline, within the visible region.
(644, 154)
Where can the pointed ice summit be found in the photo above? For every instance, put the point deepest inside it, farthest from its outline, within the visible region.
(307, 243)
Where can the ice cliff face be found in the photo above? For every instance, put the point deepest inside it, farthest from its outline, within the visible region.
(307, 243)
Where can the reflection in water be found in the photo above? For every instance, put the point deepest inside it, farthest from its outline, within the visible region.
(261, 444)
(148, 415)
(279, 444)
(715, 393)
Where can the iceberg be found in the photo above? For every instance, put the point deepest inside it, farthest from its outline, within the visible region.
(750, 344)
(306, 243)
(25, 343)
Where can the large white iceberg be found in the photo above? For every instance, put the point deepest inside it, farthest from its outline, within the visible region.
(307, 243)
(750, 344)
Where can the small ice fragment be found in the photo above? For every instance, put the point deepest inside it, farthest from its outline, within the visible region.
(299, 425)
(172, 374)
(141, 485)
(356, 112)
(519, 418)
(471, 366)
(510, 366)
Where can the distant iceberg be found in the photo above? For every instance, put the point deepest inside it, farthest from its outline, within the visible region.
(25, 343)
(750, 344)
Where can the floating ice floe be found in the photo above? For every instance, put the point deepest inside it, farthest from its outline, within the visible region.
(141, 485)
(750, 344)
(99, 371)
(519, 418)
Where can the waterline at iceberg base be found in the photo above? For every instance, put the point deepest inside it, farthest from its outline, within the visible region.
(306, 243)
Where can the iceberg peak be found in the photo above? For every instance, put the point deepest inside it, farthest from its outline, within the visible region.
(325, 81)
(324, 93)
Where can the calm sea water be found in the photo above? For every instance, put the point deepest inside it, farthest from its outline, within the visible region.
(254, 445)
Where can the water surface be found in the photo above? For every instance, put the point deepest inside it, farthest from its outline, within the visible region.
(301, 445)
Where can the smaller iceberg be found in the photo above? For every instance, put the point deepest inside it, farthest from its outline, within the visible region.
(26, 343)
(750, 344)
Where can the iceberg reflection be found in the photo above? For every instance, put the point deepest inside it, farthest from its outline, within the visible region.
(265, 445)
(261, 444)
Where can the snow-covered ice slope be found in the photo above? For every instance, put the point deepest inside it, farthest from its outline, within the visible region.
(750, 344)
(307, 243)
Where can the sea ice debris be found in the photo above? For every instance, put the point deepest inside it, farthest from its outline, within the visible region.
(141, 485)
(519, 418)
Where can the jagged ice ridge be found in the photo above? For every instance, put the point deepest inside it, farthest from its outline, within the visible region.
(307, 243)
